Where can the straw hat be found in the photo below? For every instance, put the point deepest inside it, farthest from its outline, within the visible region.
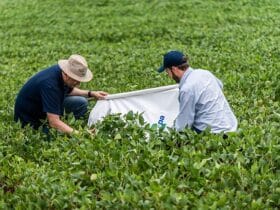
(76, 67)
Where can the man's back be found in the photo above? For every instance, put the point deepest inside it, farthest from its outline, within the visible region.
(34, 96)
(203, 103)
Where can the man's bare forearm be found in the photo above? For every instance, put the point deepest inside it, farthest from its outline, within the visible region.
(55, 122)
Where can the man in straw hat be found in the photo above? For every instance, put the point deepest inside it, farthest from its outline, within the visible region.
(49, 92)
(201, 100)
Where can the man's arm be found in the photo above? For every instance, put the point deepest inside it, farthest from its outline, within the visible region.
(187, 111)
(55, 122)
(95, 94)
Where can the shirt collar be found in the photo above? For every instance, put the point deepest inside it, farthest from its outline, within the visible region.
(185, 76)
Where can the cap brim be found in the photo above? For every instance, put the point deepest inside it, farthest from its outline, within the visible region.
(161, 69)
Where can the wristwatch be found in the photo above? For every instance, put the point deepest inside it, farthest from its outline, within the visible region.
(89, 93)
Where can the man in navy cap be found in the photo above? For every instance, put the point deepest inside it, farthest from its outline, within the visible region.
(202, 102)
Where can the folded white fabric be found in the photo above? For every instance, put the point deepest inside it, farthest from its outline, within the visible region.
(158, 105)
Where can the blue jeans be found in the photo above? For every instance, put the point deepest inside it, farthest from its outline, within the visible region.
(76, 105)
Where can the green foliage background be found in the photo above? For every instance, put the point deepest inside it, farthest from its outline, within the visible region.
(123, 41)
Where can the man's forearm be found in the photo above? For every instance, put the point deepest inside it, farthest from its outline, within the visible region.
(61, 126)
(78, 92)
(86, 93)
(55, 122)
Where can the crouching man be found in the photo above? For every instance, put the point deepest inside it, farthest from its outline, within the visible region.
(201, 99)
(48, 93)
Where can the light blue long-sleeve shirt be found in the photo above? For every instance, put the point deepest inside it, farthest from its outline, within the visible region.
(203, 104)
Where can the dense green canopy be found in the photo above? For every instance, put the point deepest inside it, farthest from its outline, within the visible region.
(128, 164)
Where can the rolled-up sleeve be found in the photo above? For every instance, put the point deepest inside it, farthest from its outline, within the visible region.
(186, 114)
(52, 99)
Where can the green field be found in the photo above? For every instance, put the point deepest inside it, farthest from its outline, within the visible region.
(123, 41)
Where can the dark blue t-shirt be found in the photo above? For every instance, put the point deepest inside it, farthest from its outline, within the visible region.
(44, 92)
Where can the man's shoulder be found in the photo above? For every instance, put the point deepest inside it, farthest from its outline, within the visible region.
(201, 72)
(195, 80)
(200, 75)
(49, 75)
(52, 70)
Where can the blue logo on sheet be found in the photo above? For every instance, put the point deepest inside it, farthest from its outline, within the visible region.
(161, 123)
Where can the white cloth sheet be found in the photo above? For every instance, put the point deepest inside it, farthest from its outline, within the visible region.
(159, 105)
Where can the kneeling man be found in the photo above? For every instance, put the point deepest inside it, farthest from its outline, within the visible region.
(201, 99)
(49, 92)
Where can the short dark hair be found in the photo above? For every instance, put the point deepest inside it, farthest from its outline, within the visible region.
(185, 65)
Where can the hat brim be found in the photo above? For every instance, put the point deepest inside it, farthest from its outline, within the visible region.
(64, 65)
(161, 69)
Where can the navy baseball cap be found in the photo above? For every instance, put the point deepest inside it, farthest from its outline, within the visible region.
(172, 58)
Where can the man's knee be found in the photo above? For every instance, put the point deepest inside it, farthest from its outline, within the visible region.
(76, 104)
(82, 102)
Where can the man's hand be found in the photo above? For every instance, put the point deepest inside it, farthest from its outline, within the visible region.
(75, 132)
(91, 131)
(98, 94)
